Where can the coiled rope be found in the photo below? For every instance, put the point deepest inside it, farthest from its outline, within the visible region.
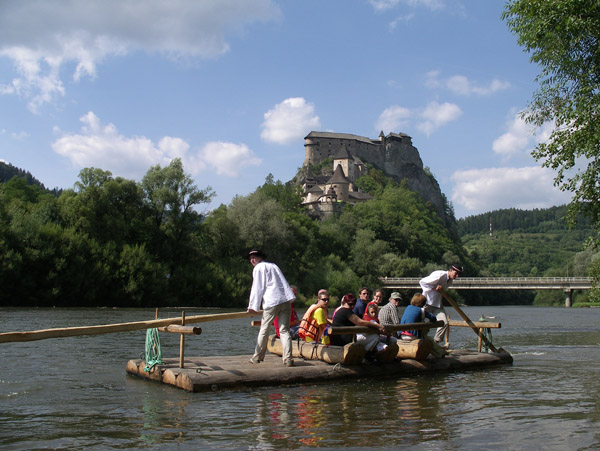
(487, 333)
(153, 351)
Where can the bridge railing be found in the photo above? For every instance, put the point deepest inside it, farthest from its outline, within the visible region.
(497, 279)
(499, 283)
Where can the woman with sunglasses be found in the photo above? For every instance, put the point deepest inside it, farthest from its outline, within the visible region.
(346, 317)
(315, 320)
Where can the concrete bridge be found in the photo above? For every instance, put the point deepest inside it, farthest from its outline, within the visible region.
(567, 284)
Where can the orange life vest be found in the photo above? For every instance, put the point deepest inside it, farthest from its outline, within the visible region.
(308, 326)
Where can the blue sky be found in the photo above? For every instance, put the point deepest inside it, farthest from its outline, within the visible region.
(233, 86)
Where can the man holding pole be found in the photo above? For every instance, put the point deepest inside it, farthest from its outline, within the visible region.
(433, 286)
(271, 289)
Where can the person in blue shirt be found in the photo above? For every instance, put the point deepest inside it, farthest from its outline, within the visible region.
(415, 313)
(361, 302)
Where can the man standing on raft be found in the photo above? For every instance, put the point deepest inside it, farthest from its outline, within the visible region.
(271, 289)
(433, 285)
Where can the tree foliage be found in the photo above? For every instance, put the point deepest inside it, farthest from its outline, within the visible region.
(110, 241)
(563, 38)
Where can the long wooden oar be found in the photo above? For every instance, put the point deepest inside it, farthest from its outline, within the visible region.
(32, 335)
(469, 322)
(343, 330)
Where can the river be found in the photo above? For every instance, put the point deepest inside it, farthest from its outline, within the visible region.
(73, 393)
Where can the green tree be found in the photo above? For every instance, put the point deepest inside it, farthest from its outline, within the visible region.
(563, 38)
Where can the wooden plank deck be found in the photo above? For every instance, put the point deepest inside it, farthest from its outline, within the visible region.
(202, 374)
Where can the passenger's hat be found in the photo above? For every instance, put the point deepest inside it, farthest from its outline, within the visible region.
(257, 253)
(457, 268)
(396, 295)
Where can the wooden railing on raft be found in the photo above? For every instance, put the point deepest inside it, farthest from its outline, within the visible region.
(173, 325)
(345, 330)
(479, 325)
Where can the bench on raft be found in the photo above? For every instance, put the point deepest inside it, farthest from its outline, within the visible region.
(354, 353)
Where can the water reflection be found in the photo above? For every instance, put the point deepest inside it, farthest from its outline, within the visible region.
(273, 424)
(358, 414)
(163, 421)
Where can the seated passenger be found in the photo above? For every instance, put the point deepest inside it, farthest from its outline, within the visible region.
(371, 315)
(361, 302)
(415, 313)
(314, 322)
(346, 317)
(388, 314)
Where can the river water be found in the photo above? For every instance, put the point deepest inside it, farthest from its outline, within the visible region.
(73, 393)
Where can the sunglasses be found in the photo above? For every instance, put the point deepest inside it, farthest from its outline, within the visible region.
(325, 299)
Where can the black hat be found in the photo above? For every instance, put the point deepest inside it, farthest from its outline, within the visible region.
(457, 268)
(258, 253)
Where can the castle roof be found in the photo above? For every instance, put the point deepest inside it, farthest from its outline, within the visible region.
(397, 135)
(342, 154)
(332, 135)
(338, 136)
(338, 176)
(315, 189)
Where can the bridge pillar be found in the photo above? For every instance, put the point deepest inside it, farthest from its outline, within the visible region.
(569, 294)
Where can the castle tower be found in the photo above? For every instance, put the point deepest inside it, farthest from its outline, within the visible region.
(339, 183)
(343, 158)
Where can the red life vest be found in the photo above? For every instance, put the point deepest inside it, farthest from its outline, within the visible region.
(308, 326)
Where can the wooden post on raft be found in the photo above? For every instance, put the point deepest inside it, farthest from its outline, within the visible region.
(469, 322)
(181, 341)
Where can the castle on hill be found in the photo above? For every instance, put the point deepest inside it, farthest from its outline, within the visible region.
(327, 192)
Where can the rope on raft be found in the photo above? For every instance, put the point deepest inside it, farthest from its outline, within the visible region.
(153, 351)
(487, 333)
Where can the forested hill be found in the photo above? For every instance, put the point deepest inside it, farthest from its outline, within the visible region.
(8, 171)
(515, 220)
(529, 243)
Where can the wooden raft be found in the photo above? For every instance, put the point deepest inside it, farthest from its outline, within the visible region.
(350, 354)
(202, 374)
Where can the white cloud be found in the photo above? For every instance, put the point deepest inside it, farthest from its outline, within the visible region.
(400, 19)
(432, 79)
(435, 115)
(516, 140)
(520, 138)
(482, 190)
(17, 136)
(41, 37)
(393, 118)
(228, 158)
(289, 120)
(428, 119)
(99, 145)
(384, 5)
(461, 85)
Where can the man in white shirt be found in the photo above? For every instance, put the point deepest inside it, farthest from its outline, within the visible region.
(271, 289)
(433, 285)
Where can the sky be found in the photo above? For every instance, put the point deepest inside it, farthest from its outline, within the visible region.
(232, 87)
